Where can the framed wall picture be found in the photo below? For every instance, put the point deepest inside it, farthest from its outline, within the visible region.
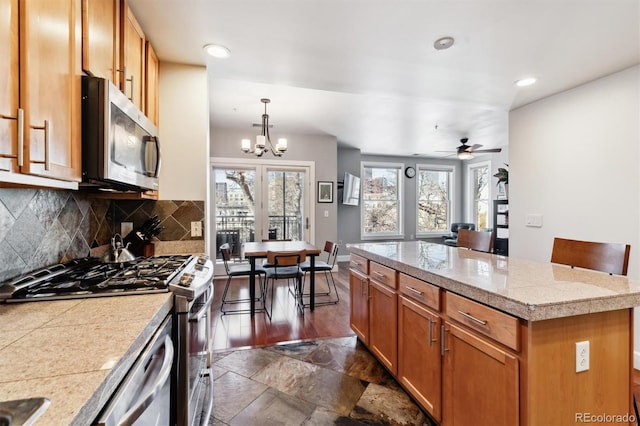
(325, 192)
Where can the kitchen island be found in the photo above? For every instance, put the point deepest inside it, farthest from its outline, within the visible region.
(74, 352)
(478, 338)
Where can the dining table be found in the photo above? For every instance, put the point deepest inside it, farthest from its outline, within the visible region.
(258, 250)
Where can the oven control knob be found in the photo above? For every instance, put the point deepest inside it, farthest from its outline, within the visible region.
(186, 279)
(202, 259)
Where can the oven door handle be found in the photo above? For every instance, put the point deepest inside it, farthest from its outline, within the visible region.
(165, 372)
(203, 311)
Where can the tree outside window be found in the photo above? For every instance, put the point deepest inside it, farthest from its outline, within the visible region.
(480, 188)
(433, 199)
(381, 195)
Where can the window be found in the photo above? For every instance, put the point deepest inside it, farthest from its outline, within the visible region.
(434, 207)
(479, 194)
(381, 200)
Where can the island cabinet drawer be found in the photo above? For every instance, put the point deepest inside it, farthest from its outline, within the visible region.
(359, 263)
(383, 275)
(421, 291)
(492, 323)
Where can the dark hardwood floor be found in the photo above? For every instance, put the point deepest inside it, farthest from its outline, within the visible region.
(286, 324)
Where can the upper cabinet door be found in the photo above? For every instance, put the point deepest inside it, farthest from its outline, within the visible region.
(132, 56)
(100, 38)
(50, 75)
(151, 86)
(9, 101)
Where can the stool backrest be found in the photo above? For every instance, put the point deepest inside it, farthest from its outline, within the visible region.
(475, 240)
(605, 257)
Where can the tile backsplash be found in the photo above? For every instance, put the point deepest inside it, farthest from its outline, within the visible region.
(42, 227)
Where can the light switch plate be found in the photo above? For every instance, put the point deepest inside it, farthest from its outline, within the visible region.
(534, 220)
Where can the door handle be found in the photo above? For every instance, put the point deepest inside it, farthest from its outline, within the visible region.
(20, 125)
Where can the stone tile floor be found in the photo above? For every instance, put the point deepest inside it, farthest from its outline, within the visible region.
(324, 382)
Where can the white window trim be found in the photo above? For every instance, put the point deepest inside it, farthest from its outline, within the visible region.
(386, 235)
(452, 198)
(469, 193)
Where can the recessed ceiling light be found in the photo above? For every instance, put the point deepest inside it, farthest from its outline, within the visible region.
(217, 51)
(443, 43)
(523, 82)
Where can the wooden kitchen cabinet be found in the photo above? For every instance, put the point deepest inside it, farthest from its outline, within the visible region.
(359, 313)
(132, 56)
(152, 68)
(419, 356)
(101, 38)
(480, 384)
(9, 90)
(383, 315)
(40, 134)
(419, 361)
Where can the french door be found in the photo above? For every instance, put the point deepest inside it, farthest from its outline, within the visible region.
(260, 201)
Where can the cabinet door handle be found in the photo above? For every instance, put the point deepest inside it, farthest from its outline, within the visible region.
(47, 144)
(431, 339)
(20, 124)
(472, 318)
(130, 80)
(443, 349)
(414, 291)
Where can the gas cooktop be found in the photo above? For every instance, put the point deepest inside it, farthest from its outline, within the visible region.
(91, 277)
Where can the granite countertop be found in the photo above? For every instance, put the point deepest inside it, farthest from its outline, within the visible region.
(529, 290)
(74, 352)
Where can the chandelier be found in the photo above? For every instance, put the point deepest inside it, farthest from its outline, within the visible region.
(263, 140)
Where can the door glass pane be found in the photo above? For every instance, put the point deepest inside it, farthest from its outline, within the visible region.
(235, 208)
(285, 204)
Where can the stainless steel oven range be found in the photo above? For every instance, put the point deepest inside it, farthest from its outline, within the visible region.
(170, 377)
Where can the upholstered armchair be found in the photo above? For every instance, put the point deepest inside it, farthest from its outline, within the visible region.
(452, 239)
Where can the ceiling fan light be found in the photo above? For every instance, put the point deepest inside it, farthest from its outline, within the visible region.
(464, 155)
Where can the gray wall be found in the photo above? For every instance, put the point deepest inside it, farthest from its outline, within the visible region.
(349, 224)
(321, 149)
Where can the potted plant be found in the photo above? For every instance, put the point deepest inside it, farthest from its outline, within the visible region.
(503, 182)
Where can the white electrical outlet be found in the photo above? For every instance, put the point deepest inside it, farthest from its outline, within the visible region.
(326, 213)
(582, 356)
(196, 229)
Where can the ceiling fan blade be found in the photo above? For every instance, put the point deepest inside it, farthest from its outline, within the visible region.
(489, 150)
(475, 146)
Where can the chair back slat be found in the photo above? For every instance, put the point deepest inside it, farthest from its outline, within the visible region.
(286, 258)
(475, 240)
(605, 257)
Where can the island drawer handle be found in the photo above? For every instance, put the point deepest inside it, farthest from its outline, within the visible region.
(472, 318)
(413, 290)
(380, 274)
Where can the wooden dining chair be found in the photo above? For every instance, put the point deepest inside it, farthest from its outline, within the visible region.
(475, 240)
(605, 257)
(285, 265)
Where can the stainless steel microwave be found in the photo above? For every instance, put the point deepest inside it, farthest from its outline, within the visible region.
(120, 147)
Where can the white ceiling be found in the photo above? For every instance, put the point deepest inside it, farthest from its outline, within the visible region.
(366, 71)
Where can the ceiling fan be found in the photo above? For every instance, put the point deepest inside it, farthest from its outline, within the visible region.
(464, 151)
